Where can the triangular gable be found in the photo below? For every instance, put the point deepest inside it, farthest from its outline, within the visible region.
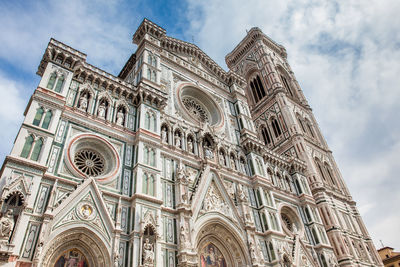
(303, 257)
(212, 197)
(85, 206)
(19, 185)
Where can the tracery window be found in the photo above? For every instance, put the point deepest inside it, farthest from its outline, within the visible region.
(39, 121)
(38, 116)
(56, 80)
(257, 88)
(89, 162)
(47, 119)
(36, 149)
(196, 109)
(32, 147)
(276, 127)
(286, 85)
(265, 134)
(148, 184)
(26, 150)
(149, 156)
(271, 251)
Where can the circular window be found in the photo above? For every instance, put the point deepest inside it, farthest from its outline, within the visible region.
(89, 162)
(195, 108)
(287, 222)
(89, 155)
(199, 105)
(291, 221)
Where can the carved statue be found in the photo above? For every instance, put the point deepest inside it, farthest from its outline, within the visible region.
(208, 152)
(83, 102)
(39, 250)
(190, 145)
(101, 112)
(177, 140)
(6, 225)
(164, 135)
(241, 194)
(182, 237)
(233, 164)
(120, 118)
(148, 253)
(116, 258)
(222, 158)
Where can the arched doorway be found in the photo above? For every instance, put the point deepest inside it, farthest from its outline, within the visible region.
(219, 245)
(76, 246)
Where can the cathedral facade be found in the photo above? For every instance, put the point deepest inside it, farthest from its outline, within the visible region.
(175, 162)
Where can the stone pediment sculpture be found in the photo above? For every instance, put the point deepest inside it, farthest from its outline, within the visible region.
(84, 206)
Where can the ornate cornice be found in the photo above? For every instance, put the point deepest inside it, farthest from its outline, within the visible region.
(254, 35)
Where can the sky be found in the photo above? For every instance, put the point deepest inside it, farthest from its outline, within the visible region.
(345, 55)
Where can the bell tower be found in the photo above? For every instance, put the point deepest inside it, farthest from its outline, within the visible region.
(285, 123)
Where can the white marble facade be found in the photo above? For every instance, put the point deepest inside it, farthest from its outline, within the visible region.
(175, 162)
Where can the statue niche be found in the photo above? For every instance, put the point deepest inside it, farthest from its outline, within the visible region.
(149, 240)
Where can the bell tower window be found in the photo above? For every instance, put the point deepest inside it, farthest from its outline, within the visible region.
(265, 135)
(257, 89)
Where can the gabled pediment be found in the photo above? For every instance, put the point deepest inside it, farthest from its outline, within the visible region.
(19, 185)
(212, 197)
(84, 208)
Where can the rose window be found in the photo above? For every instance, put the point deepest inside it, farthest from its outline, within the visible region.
(287, 221)
(197, 105)
(89, 162)
(196, 109)
(90, 155)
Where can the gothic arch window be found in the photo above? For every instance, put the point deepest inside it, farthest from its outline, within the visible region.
(260, 168)
(323, 260)
(152, 60)
(150, 121)
(52, 81)
(149, 156)
(265, 134)
(148, 184)
(36, 149)
(257, 88)
(271, 251)
(329, 173)
(26, 150)
(47, 119)
(308, 214)
(296, 181)
(301, 123)
(276, 127)
(320, 169)
(38, 116)
(286, 85)
(59, 84)
(315, 236)
(310, 128)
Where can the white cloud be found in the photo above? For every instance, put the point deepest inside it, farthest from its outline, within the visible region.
(346, 58)
(11, 113)
(99, 29)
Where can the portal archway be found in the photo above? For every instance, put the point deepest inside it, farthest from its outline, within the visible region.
(80, 245)
(220, 245)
